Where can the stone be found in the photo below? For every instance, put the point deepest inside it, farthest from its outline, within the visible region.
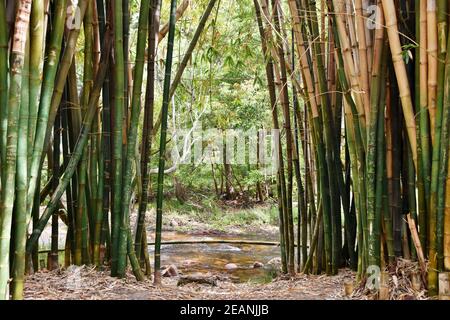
(258, 264)
(274, 261)
(231, 266)
(170, 271)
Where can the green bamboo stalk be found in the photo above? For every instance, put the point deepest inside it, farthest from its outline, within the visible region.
(302, 215)
(84, 216)
(20, 206)
(314, 241)
(329, 140)
(435, 221)
(105, 176)
(273, 106)
(303, 192)
(147, 128)
(118, 114)
(97, 169)
(54, 256)
(284, 100)
(99, 200)
(36, 69)
(78, 150)
(69, 192)
(380, 162)
(420, 58)
(163, 141)
(373, 218)
(423, 149)
(14, 102)
(48, 83)
(352, 147)
(132, 135)
(443, 165)
(63, 70)
(387, 219)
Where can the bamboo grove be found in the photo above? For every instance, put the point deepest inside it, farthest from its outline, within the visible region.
(372, 129)
(360, 90)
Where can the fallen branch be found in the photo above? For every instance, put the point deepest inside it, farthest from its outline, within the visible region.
(416, 240)
(212, 281)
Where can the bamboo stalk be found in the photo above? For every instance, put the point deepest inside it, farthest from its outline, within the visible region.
(3, 88)
(118, 135)
(432, 49)
(20, 205)
(22, 20)
(48, 83)
(132, 134)
(36, 68)
(363, 63)
(148, 125)
(78, 150)
(424, 122)
(284, 100)
(163, 141)
(400, 71)
(338, 6)
(269, 66)
(415, 237)
(447, 222)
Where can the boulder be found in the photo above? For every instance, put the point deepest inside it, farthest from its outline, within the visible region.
(231, 266)
(274, 261)
(170, 271)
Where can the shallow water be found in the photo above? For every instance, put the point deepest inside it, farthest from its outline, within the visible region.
(212, 258)
(200, 258)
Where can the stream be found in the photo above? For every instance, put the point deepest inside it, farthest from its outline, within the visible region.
(198, 258)
(212, 258)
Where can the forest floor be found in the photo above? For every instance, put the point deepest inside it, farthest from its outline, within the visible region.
(195, 219)
(215, 220)
(84, 283)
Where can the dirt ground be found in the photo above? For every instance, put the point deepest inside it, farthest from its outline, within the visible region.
(84, 283)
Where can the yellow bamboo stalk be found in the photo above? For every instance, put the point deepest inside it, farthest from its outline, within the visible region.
(352, 35)
(271, 44)
(423, 55)
(401, 74)
(364, 69)
(432, 49)
(303, 58)
(369, 42)
(349, 66)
